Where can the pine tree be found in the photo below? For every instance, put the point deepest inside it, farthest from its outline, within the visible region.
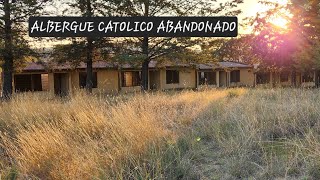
(296, 45)
(13, 16)
(84, 47)
(153, 48)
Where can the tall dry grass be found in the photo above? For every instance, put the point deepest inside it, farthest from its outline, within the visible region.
(264, 134)
(88, 137)
(212, 134)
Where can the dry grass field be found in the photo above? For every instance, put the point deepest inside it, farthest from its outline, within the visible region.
(211, 134)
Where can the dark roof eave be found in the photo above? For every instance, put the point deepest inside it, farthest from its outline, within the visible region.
(30, 71)
(225, 68)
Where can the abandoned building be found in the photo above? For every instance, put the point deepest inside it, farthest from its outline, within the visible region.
(64, 79)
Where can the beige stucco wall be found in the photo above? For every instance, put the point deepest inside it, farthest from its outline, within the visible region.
(74, 81)
(187, 79)
(44, 82)
(246, 77)
(107, 81)
(222, 79)
(51, 83)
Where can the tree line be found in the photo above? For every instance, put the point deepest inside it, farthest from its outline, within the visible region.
(297, 46)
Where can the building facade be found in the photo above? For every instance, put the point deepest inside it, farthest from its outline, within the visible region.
(111, 78)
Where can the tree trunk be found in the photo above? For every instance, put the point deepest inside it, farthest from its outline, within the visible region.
(145, 51)
(89, 79)
(8, 54)
(145, 65)
(294, 80)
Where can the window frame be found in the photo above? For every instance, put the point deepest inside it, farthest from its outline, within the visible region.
(310, 77)
(84, 75)
(286, 78)
(205, 80)
(235, 79)
(265, 79)
(135, 81)
(171, 74)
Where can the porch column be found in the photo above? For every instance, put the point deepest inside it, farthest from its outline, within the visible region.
(197, 79)
(70, 90)
(119, 80)
(217, 79)
(228, 79)
(51, 83)
(13, 84)
(160, 76)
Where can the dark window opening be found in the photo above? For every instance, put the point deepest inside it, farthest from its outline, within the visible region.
(235, 76)
(83, 79)
(307, 77)
(263, 78)
(172, 76)
(284, 77)
(61, 84)
(207, 78)
(131, 78)
(27, 82)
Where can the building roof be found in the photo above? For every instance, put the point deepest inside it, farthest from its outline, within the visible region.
(155, 64)
(223, 65)
(33, 66)
(82, 65)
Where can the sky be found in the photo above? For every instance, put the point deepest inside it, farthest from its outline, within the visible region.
(252, 7)
(249, 8)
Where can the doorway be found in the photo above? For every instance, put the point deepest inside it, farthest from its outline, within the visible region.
(61, 84)
(154, 79)
(223, 79)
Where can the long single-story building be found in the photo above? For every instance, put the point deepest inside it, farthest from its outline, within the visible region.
(112, 78)
(288, 78)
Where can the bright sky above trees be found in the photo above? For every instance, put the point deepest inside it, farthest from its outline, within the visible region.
(249, 8)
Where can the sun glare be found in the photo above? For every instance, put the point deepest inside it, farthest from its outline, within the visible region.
(282, 2)
(279, 22)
